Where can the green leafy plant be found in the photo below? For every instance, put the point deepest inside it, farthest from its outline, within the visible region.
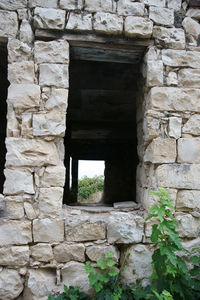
(70, 293)
(88, 186)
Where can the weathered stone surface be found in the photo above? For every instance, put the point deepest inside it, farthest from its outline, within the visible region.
(26, 34)
(21, 72)
(26, 125)
(97, 252)
(14, 256)
(48, 230)
(189, 227)
(188, 200)
(68, 252)
(50, 202)
(49, 18)
(43, 3)
(127, 8)
(189, 150)
(151, 127)
(169, 37)
(174, 99)
(13, 4)
(70, 4)
(181, 176)
(24, 96)
(176, 5)
(150, 200)
(100, 5)
(138, 27)
(175, 127)
(42, 252)
(193, 13)
(29, 210)
(138, 263)
(53, 176)
(18, 181)
(15, 232)
(172, 79)
(191, 27)
(22, 14)
(154, 73)
(57, 100)
(85, 232)
(125, 228)
(52, 124)
(161, 16)
(11, 284)
(79, 22)
(161, 150)
(160, 3)
(53, 52)
(54, 75)
(8, 24)
(189, 77)
(181, 58)
(74, 274)
(108, 23)
(18, 51)
(15, 210)
(192, 126)
(30, 152)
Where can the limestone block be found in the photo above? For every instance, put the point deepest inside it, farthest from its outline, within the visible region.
(29, 210)
(176, 5)
(70, 4)
(151, 128)
(160, 3)
(175, 125)
(15, 210)
(169, 37)
(128, 7)
(26, 125)
(49, 18)
(108, 23)
(181, 58)
(193, 13)
(161, 16)
(161, 150)
(172, 79)
(150, 200)
(24, 96)
(8, 24)
(154, 73)
(22, 13)
(43, 3)
(50, 202)
(12, 4)
(21, 72)
(125, 228)
(189, 150)
(79, 22)
(57, 100)
(152, 53)
(189, 227)
(97, 252)
(48, 230)
(189, 77)
(52, 124)
(53, 176)
(191, 27)
(74, 274)
(138, 263)
(174, 99)
(188, 200)
(53, 52)
(54, 75)
(26, 34)
(18, 181)
(85, 232)
(15, 232)
(18, 51)
(11, 284)
(14, 256)
(192, 126)
(30, 152)
(42, 252)
(68, 252)
(138, 27)
(181, 176)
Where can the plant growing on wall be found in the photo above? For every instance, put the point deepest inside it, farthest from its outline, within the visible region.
(88, 186)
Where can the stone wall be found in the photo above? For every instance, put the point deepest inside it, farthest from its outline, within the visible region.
(42, 244)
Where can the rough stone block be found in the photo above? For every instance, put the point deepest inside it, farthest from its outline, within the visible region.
(175, 125)
(18, 51)
(49, 18)
(125, 228)
(8, 24)
(68, 252)
(160, 3)
(21, 72)
(51, 52)
(97, 252)
(48, 230)
(189, 77)
(14, 256)
(138, 27)
(15, 232)
(49, 124)
(108, 23)
(29, 210)
(150, 200)
(172, 79)
(79, 22)
(161, 150)
(43, 3)
(176, 5)
(57, 100)
(53, 176)
(181, 58)
(189, 150)
(70, 4)
(189, 227)
(18, 182)
(26, 34)
(128, 7)
(154, 73)
(193, 13)
(14, 210)
(12, 4)
(50, 202)
(42, 252)
(54, 75)
(30, 152)
(169, 37)
(188, 200)
(151, 128)
(161, 16)
(11, 284)
(192, 126)
(191, 27)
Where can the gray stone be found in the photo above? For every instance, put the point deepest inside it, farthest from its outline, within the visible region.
(18, 51)
(42, 252)
(169, 37)
(189, 77)
(97, 252)
(175, 127)
(191, 27)
(160, 3)
(15, 232)
(100, 5)
(138, 27)
(50, 202)
(181, 58)
(11, 284)
(43, 3)
(21, 72)
(189, 150)
(193, 13)
(107, 23)
(29, 210)
(13, 4)
(26, 34)
(161, 16)
(68, 252)
(192, 126)
(54, 75)
(176, 5)
(14, 256)
(128, 7)
(49, 18)
(15, 210)
(188, 200)
(154, 73)
(172, 79)
(57, 100)
(8, 24)
(48, 230)
(79, 22)
(18, 182)
(53, 176)
(149, 200)
(49, 124)
(70, 4)
(189, 227)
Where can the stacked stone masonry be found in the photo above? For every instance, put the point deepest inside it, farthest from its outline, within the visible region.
(44, 245)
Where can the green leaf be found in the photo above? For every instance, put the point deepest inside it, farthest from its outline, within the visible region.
(89, 269)
(113, 272)
(51, 297)
(102, 264)
(195, 259)
(195, 271)
(155, 233)
(109, 255)
(111, 263)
